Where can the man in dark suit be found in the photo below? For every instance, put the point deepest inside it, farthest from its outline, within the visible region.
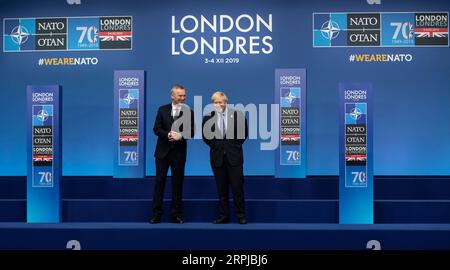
(224, 131)
(174, 124)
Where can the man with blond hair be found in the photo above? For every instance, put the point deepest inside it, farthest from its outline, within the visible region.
(224, 131)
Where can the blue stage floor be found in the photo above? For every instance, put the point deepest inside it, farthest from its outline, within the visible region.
(106, 213)
(207, 236)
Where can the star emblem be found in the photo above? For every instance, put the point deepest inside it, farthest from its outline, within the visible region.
(19, 34)
(129, 99)
(330, 30)
(42, 115)
(290, 97)
(356, 113)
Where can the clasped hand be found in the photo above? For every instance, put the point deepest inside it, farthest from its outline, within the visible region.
(174, 136)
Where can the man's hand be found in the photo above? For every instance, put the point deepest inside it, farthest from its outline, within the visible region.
(174, 136)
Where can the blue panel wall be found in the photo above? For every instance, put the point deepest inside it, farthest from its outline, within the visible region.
(411, 99)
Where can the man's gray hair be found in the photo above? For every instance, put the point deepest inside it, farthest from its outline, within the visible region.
(176, 86)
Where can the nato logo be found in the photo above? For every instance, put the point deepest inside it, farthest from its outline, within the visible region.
(128, 98)
(19, 35)
(42, 115)
(355, 113)
(330, 29)
(290, 97)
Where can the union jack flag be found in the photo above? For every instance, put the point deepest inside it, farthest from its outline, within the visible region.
(115, 36)
(291, 138)
(128, 138)
(42, 157)
(431, 32)
(355, 157)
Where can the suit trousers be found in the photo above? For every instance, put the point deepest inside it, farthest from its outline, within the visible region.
(177, 168)
(226, 176)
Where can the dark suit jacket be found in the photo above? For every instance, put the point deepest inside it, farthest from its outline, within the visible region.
(231, 144)
(162, 127)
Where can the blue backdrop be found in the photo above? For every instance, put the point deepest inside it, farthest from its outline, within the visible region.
(411, 99)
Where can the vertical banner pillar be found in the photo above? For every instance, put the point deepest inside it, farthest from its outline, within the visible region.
(43, 153)
(290, 93)
(129, 124)
(355, 154)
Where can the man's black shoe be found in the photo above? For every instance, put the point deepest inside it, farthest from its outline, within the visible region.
(178, 220)
(221, 221)
(242, 221)
(155, 220)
